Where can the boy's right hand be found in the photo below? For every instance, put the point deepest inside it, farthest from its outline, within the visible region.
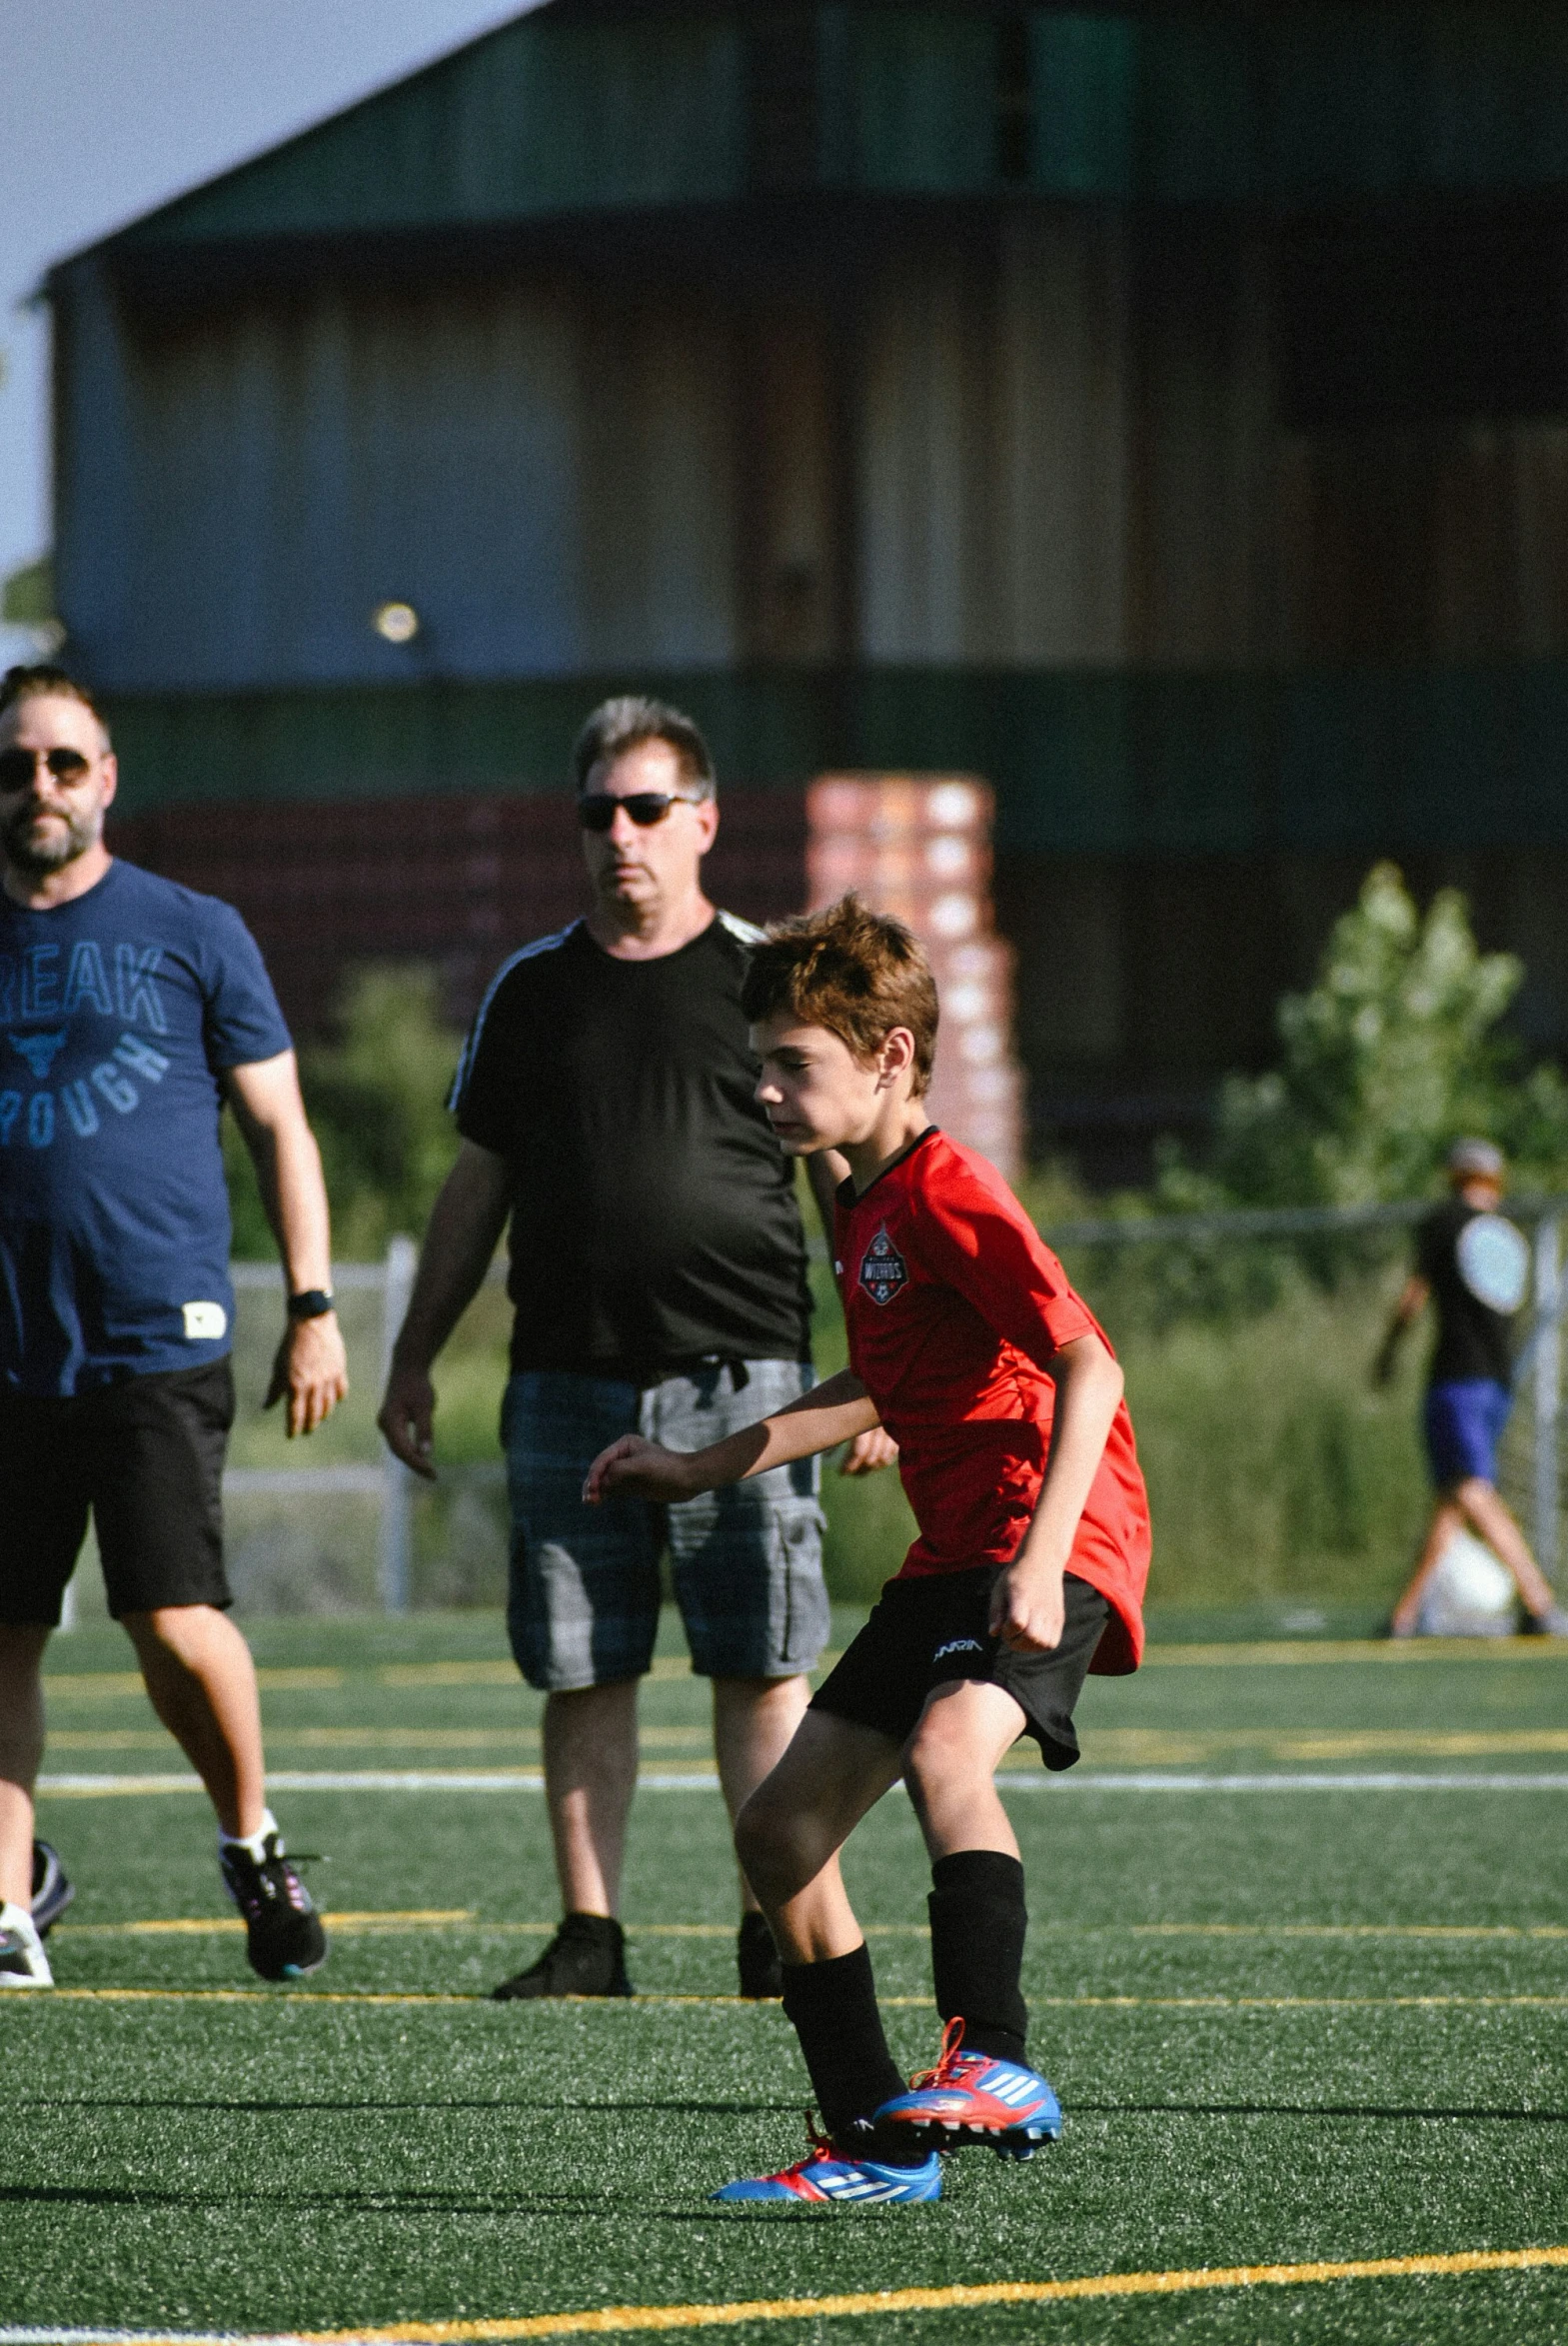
(635, 1468)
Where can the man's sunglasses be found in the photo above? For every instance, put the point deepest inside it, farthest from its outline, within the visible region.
(597, 810)
(17, 767)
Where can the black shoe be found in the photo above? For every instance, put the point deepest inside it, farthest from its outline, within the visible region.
(52, 1894)
(586, 1957)
(283, 1934)
(761, 1973)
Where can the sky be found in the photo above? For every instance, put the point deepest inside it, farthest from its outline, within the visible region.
(108, 107)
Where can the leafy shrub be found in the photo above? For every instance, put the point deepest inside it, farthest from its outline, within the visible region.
(376, 1096)
(1394, 1052)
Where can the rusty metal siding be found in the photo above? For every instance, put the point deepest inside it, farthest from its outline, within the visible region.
(545, 479)
(457, 880)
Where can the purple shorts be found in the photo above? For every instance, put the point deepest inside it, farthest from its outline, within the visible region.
(1464, 1422)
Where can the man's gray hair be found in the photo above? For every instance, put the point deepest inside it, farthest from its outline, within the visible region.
(629, 721)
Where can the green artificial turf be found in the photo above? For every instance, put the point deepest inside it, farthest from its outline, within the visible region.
(1261, 2060)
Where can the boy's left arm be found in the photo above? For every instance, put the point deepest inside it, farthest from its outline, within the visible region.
(1028, 1605)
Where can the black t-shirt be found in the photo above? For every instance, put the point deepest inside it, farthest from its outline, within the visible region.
(1470, 1278)
(654, 1220)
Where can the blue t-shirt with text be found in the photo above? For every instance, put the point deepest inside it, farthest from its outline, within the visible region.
(119, 1013)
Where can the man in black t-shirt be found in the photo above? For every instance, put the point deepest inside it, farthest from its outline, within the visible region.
(606, 1099)
(1475, 1267)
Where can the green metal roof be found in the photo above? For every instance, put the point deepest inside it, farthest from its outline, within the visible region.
(573, 109)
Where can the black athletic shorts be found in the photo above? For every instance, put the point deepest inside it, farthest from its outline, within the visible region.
(930, 1630)
(145, 1458)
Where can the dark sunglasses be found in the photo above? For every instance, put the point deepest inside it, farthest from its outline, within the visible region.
(17, 767)
(645, 807)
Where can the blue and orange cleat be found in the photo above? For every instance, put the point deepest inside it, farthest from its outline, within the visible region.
(823, 2179)
(970, 2097)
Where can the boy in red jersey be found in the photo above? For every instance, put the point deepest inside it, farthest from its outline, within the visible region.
(967, 1343)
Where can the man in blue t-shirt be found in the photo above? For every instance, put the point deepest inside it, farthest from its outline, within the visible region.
(131, 1009)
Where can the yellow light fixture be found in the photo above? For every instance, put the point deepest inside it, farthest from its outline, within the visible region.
(395, 623)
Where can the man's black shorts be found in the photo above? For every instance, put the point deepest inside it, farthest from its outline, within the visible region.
(930, 1628)
(145, 1457)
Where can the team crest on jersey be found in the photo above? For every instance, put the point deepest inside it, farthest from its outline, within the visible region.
(883, 1269)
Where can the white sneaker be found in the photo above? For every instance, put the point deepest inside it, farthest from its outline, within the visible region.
(23, 1962)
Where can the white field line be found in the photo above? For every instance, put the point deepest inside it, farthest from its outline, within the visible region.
(700, 1780)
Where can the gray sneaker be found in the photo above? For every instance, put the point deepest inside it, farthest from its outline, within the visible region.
(1552, 1624)
(52, 1892)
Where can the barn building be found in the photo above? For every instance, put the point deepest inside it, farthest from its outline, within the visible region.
(1161, 412)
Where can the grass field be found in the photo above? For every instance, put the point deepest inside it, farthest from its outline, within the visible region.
(1298, 1966)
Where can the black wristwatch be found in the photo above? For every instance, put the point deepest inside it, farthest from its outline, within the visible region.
(314, 1304)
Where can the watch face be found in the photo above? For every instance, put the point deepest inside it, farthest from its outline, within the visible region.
(1494, 1262)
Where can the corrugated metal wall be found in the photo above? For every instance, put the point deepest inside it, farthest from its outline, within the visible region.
(1281, 107)
(968, 416)
(540, 117)
(547, 480)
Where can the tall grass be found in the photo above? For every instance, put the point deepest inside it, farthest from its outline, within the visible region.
(1275, 1473)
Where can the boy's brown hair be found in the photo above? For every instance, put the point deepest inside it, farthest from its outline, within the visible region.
(857, 973)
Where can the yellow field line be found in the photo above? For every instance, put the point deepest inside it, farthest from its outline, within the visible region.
(951, 2299)
(441, 1918)
(73, 1683)
(957, 2297)
(1197, 2003)
(465, 1919)
(1176, 1746)
(1112, 1747)
(1291, 1651)
(1333, 1930)
(694, 1740)
(419, 1918)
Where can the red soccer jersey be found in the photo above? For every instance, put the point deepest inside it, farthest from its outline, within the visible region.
(954, 1308)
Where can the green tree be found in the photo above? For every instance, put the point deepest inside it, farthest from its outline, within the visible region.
(377, 1102)
(1394, 1052)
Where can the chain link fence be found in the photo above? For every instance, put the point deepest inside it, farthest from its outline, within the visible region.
(1275, 1473)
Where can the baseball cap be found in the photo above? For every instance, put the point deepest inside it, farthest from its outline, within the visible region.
(1477, 1159)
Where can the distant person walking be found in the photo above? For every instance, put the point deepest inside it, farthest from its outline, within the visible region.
(130, 1012)
(605, 1100)
(1473, 1265)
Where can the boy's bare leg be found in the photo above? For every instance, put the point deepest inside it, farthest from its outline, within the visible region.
(590, 1778)
(21, 1751)
(949, 1766)
(754, 1720)
(200, 1682)
(788, 1839)
(1446, 1520)
(788, 1834)
(1487, 1514)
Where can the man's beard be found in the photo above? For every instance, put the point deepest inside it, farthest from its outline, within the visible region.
(52, 850)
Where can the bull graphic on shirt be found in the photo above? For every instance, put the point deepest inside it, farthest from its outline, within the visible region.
(883, 1269)
(39, 1051)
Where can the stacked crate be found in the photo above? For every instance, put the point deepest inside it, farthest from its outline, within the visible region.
(919, 847)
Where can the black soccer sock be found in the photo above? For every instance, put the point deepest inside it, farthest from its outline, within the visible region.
(834, 2008)
(978, 1927)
